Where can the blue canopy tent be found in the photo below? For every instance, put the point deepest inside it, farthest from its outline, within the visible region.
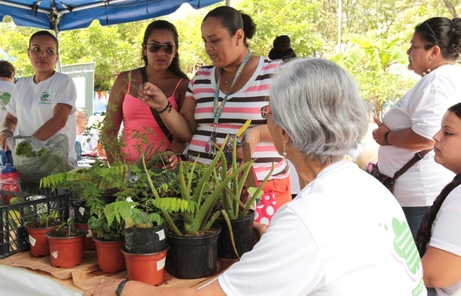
(61, 15)
(76, 14)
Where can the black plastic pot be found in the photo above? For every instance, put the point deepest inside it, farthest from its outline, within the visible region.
(145, 240)
(81, 212)
(192, 257)
(242, 228)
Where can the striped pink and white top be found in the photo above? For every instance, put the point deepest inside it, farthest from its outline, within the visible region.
(240, 106)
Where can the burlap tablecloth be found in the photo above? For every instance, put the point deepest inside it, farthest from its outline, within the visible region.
(87, 275)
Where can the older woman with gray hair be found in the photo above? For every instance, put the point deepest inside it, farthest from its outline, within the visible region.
(344, 234)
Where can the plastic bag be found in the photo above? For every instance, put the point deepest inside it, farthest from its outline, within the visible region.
(54, 160)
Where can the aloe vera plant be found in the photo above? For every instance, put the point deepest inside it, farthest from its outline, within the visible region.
(196, 200)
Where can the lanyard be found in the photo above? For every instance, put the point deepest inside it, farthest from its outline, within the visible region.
(218, 108)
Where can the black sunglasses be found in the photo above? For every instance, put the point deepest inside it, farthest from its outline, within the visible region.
(155, 47)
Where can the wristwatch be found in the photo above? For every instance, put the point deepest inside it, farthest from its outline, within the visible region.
(385, 138)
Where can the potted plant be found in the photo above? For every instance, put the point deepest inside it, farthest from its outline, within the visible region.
(66, 245)
(237, 216)
(37, 229)
(108, 238)
(193, 235)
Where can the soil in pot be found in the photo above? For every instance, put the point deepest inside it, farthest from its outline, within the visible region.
(242, 229)
(191, 257)
(37, 238)
(145, 240)
(146, 268)
(110, 256)
(66, 251)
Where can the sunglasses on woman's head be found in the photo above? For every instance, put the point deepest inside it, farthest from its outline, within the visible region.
(155, 47)
(266, 111)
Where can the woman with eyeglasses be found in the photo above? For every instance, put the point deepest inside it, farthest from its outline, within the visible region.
(222, 97)
(42, 105)
(408, 127)
(344, 234)
(142, 131)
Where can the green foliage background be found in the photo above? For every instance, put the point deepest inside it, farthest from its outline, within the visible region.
(375, 37)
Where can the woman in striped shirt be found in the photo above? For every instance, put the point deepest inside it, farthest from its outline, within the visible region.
(222, 97)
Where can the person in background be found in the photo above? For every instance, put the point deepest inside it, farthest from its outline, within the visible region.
(408, 127)
(42, 105)
(438, 239)
(88, 139)
(222, 97)
(334, 238)
(282, 49)
(141, 130)
(7, 73)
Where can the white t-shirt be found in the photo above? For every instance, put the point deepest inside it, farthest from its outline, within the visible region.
(88, 140)
(6, 91)
(344, 234)
(32, 104)
(422, 109)
(445, 232)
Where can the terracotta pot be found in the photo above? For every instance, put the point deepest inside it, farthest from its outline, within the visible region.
(110, 256)
(89, 243)
(66, 251)
(38, 242)
(146, 268)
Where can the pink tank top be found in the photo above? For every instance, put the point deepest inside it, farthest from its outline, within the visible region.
(138, 119)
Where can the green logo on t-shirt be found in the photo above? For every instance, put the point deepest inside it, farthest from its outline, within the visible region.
(404, 245)
(5, 98)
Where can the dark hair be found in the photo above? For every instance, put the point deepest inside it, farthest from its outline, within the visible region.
(424, 232)
(6, 69)
(45, 33)
(175, 66)
(282, 49)
(443, 32)
(232, 20)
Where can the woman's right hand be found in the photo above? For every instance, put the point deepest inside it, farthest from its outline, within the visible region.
(5, 134)
(152, 95)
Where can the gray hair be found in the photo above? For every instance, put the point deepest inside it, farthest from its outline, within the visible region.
(84, 113)
(318, 104)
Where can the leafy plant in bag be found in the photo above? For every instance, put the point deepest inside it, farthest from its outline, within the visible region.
(34, 159)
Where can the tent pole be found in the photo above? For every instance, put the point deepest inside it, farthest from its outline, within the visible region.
(228, 3)
(58, 63)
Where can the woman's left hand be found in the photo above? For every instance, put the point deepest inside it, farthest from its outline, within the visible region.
(105, 287)
(378, 134)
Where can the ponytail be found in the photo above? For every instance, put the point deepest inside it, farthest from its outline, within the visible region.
(424, 232)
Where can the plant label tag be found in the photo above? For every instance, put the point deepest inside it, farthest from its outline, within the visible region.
(161, 264)
(161, 235)
(32, 241)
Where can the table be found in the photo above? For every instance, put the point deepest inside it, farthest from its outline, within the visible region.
(47, 280)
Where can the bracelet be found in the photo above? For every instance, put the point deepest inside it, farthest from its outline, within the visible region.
(385, 138)
(118, 292)
(168, 107)
(7, 130)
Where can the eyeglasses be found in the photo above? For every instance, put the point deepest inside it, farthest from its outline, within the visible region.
(155, 47)
(266, 111)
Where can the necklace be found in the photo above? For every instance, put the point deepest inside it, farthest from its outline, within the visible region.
(226, 82)
(428, 70)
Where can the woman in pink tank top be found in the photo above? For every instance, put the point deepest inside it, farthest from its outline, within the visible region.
(133, 120)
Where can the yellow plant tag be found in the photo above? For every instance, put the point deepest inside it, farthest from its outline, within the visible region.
(243, 128)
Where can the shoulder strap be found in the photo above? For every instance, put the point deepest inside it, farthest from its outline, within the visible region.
(155, 113)
(418, 156)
